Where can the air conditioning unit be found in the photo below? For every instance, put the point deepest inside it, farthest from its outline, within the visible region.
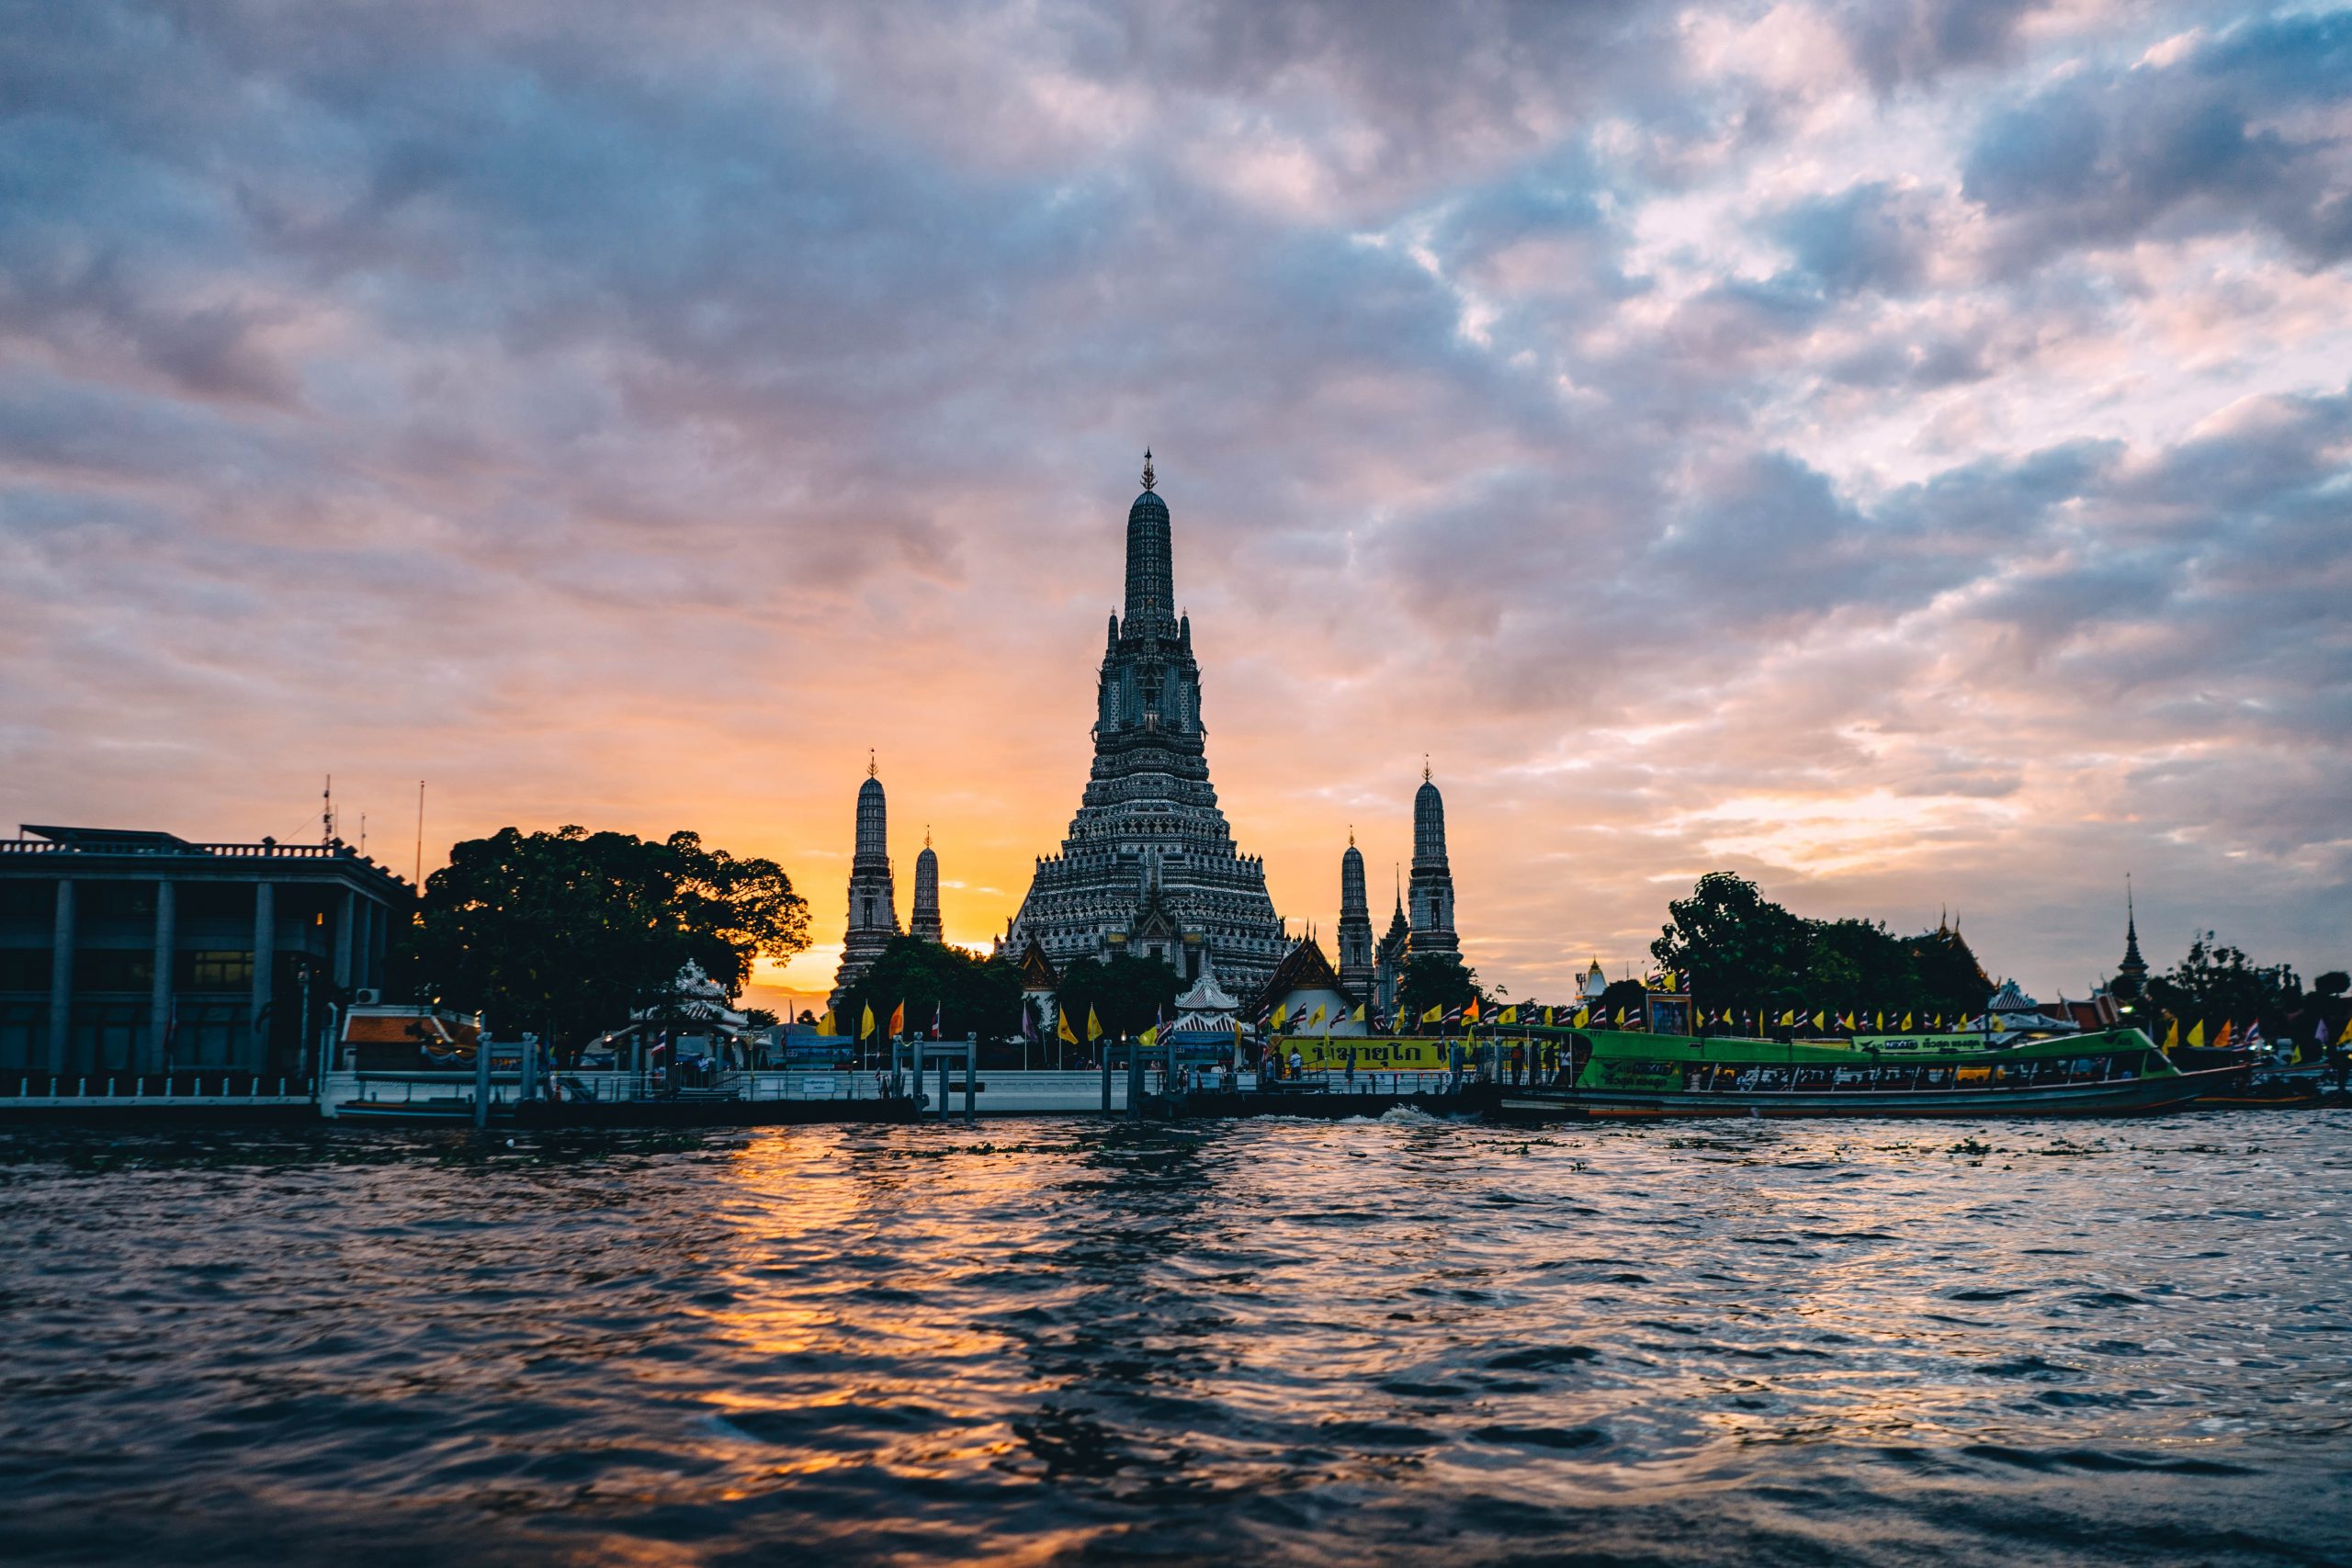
(366, 995)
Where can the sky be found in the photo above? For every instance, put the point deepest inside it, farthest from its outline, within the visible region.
(1899, 451)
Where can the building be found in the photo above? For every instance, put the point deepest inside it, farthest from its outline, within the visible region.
(1355, 924)
(873, 899)
(1309, 992)
(137, 953)
(924, 922)
(1432, 888)
(1148, 865)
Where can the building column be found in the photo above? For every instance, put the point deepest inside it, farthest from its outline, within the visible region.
(61, 978)
(265, 968)
(159, 999)
(344, 945)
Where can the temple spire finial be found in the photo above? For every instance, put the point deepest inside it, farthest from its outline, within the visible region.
(1351, 835)
(869, 762)
(1150, 478)
(1425, 767)
(927, 835)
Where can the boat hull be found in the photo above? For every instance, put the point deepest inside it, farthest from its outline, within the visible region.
(2137, 1097)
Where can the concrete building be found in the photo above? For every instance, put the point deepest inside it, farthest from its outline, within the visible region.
(137, 952)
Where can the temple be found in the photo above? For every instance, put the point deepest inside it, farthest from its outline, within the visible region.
(1148, 865)
(1432, 885)
(1355, 924)
(873, 900)
(924, 922)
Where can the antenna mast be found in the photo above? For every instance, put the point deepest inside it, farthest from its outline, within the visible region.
(420, 833)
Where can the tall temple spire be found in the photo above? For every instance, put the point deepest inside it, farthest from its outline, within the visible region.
(1432, 877)
(1355, 923)
(2132, 975)
(1151, 585)
(1148, 865)
(873, 896)
(924, 922)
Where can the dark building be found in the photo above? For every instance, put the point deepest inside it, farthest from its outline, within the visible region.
(125, 952)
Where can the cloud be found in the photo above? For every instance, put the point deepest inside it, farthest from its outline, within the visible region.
(2247, 126)
(1897, 452)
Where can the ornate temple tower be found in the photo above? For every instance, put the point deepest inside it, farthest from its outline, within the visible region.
(1432, 885)
(924, 922)
(1355, 924)
(1149, 865)
(2130, 981)
(873, 900)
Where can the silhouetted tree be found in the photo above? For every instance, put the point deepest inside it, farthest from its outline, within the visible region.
(564, 933)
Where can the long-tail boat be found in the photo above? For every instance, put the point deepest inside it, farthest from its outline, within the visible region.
(1610, 1074)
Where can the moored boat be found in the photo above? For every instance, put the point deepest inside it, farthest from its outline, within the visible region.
(1611, 1074)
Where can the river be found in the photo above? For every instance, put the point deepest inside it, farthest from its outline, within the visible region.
(1406, 1339)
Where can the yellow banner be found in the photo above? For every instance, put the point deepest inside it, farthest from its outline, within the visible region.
(1375, 1054)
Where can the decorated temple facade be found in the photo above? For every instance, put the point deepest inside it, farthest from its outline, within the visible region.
(1148, 865)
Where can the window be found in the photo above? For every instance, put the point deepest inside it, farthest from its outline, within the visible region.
(113, 969)
(215, 970)
(24, 969)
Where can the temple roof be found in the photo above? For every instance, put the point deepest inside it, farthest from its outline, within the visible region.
(1303, 968)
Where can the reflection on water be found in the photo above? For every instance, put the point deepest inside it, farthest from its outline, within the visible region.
(1367, 1341)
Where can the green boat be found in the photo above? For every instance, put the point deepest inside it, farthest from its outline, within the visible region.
(1630, 1076)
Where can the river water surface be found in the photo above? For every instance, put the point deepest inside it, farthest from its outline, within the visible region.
(1367, 1341)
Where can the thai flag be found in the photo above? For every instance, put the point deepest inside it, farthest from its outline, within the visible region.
(938, 1012)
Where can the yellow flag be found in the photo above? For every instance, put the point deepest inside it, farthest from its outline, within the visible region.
(1510, 1014)
(2346, 1038)
(1149, 1038)
(2172, 1037)
(1093, 1025)
(825, 1025)
(1358, 1014)
(1064, 1030)
(1316, 1022)
(1282, 1011)
(865, 1027)
(1583, 1017)
(1670, 981)
(1788, 1018)
(1882, 1023)
(1819, 1021)
(1432, 1014)
(2196, 1035)
(1845, 1021)
(1906, 1020)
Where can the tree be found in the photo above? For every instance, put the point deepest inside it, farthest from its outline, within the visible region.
(760, 1017)
(964, 993)
(2333, 983)
(564, 933)
(1737, 948)
(1435, 980)
(1126, 992)
(2218, 984)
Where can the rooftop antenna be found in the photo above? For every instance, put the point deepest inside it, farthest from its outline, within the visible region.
(363, 835)
(420, 833)
(326, 812)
